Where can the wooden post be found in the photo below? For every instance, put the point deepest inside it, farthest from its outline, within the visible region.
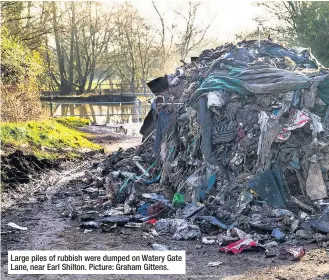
(51, 108)
(121, 112)
(140, 111)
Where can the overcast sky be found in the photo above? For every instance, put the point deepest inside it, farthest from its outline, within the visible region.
(228, 16)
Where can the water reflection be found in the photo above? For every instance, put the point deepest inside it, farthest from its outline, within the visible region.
(100, 113)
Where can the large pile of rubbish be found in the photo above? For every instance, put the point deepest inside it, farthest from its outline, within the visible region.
(235, 151)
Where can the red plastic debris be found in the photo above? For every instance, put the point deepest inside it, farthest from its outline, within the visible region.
(293, 253)
(238, 246)
(297, 119)
(152, 221)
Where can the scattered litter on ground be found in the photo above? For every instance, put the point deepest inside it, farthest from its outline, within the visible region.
(238, 246)
(159, 247)
(89, 225)
(208, 241)
(214, 264)
(293, 253)
(13, 225)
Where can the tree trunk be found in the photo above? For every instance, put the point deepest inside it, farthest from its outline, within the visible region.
(132, 82)
(144, 83)
(71, 50)
(64, 87)
(92, 75)
(29, 5)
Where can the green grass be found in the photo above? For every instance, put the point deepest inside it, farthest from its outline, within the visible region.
(47, 138)
(72, 122)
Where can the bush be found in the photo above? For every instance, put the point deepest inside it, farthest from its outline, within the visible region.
(20, 72)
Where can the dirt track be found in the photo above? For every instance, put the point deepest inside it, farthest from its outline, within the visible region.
(40, 211)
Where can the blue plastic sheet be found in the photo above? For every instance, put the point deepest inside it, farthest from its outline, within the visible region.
(278, 234)
(142, 210)
(205, 122)
(321, 222)
(241, 54)
(162, 122)
(270, 186)
(155, 180)
(211, 181)
(279, 51)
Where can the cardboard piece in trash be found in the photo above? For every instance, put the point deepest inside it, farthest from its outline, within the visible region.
(315, 186)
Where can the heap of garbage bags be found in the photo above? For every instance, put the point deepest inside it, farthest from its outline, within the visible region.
(235, 152)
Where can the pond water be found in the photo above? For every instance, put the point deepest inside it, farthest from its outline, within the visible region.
(100, 113)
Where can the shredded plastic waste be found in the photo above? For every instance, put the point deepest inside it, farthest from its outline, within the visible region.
(236, 145)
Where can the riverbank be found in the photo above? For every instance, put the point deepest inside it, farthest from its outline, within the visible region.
(50, 138)
(28, 147)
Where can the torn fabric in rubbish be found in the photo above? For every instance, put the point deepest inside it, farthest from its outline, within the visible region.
(235, 146)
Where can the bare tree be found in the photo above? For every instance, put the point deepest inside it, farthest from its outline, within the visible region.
(64, 88)
(26, 21)
(83, 44)
(186, 37)
(79, 47)
(286, 12)
(167, 33)
(192, 35)
(134, 46)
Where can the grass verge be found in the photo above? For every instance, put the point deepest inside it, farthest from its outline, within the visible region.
(47, 139)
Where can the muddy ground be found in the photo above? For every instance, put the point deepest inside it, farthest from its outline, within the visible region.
(39, 206)
(111, 139)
